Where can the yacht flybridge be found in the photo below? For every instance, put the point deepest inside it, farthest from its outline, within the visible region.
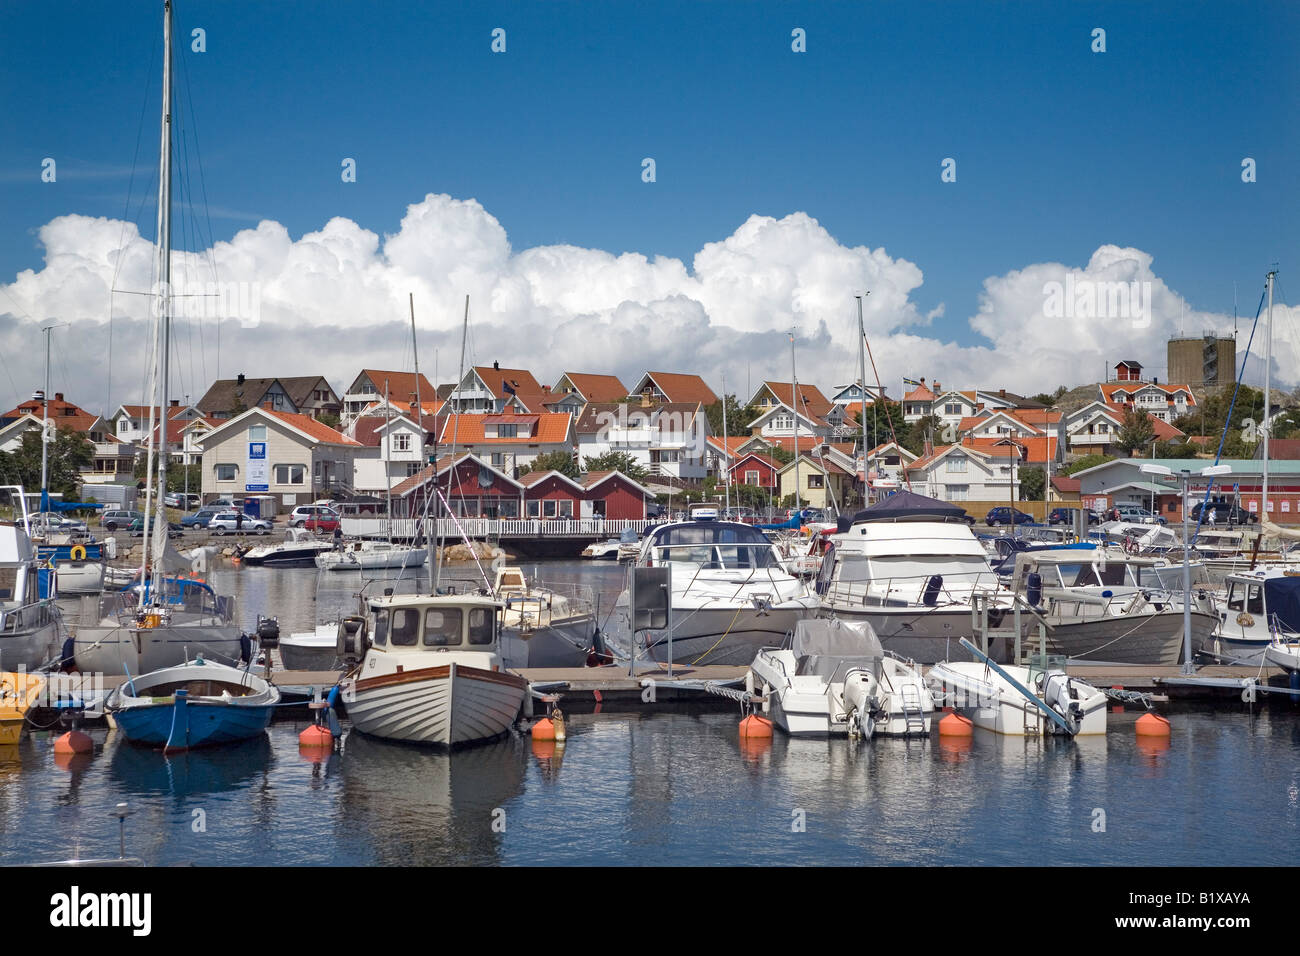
(731, 593)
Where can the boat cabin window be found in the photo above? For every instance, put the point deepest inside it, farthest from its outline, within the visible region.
(1087, 575)
(8, 581)
(405, 627)
(381, 628)
(480, 626)
(442, 627)
(1245, 597)
(713, 545)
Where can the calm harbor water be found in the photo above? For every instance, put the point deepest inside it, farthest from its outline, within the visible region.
(664, 786)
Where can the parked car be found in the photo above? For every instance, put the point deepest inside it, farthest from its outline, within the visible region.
(299, 516)
(57, 522)
(113, 520)
(1225, 512)
(1007, 515)
(201, 518)
(225, 522)
(136, 527)
(321, 524)
(1138, 515)
(1066, 516)
(178, 499)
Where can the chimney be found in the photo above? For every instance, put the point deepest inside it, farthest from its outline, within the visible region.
(937, 387)
(239, 379)
(58, 396)
(1002, 393)
(175, 403)
(497, 366)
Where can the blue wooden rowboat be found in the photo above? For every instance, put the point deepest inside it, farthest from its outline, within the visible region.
(196, 704)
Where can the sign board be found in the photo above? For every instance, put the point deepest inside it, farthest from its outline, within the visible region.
(652, 590)
(256, 477)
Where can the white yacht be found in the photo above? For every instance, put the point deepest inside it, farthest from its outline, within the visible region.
(298, 550)
(430, 670)
(543, 626)
(731, 594)
(371, 556)
(832, 678)
(1112, 608)
(911, 567)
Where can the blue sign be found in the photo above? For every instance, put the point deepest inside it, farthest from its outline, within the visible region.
(256, 449)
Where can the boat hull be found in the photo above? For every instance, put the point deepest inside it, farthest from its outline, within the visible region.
(370, 561)
(308, 657)
(130, 650)
(562, 644)
(83, 577)
(1155, 638)
(991, 704)
(448, 706)
(1285, 656)
(297, 558)
(925, 635)
(185, 725)
(723, 635)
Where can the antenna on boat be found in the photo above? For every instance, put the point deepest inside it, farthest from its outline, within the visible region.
(794, 407)
(862, 359)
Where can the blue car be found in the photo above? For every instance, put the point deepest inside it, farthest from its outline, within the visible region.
(201, 517)
(1007, 515)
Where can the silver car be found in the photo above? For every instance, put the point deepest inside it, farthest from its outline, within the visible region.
(227, 522)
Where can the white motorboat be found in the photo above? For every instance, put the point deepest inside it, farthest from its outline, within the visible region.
(911, 568)
(430, 670)
(602, 550)
(542, 626)
(832, 678)
(1262, 609)
(29, 625)
(731, 594)
(1285, 654)
(298, 550)
(371, 556)
(1019, 700)
(1112, 608)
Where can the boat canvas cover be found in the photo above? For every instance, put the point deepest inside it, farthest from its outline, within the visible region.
(1282, 598)
(834, 638)
(904, 505)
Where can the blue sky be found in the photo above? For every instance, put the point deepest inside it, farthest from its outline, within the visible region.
(1058, 149)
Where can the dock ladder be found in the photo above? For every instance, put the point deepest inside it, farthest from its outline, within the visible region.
(913, 713)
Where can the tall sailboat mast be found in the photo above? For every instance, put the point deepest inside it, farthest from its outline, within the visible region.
(725, 449)
(1268, 384)
(794, 406)
(862, 361)
(154, 509)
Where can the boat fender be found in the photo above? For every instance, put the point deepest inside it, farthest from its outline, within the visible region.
(69, 654)
(932, 588)
(1034, 589)
(78, 553)
(245, 648)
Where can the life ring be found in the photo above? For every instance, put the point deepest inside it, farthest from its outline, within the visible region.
(78, 553)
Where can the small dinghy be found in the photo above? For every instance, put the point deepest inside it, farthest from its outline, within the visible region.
(832, 678)
(196, 704)
(19, 692)
(1019, 701)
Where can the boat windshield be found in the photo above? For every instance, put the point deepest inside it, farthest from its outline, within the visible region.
(712, 545)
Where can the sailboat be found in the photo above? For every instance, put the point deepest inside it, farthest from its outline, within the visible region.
(168, 620)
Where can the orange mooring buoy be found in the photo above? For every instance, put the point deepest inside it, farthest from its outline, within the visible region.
(316, 736)
(544, 729)
(74, 742)
(1152, 725)
(955, 725)
(755, 726)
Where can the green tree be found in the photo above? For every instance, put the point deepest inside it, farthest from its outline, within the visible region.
(328, 418)
(1176, 449)
(780, 455)
(738, 416)
(1135, 430)
(617, 461)
(69, 454)
(1033, 483)
(560, 461)
(1087, 461)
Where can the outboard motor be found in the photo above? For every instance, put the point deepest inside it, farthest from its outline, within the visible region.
(1034, 588)
(268, 633)
(351, 641)
(933, 586)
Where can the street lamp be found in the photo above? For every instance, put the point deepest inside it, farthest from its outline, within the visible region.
(1185, 476)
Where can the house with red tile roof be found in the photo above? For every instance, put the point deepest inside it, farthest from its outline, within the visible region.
(1165, 402)
(507, 440)
(962, 473)
(113, 462)
(371, 384)
(590, 387)
(291, 457)
(1094, 429)
(675, 387)
(490, 388)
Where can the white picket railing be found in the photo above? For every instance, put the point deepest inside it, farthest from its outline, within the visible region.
(454, 528)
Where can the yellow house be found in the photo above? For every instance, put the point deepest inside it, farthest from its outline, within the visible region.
(818, 479)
